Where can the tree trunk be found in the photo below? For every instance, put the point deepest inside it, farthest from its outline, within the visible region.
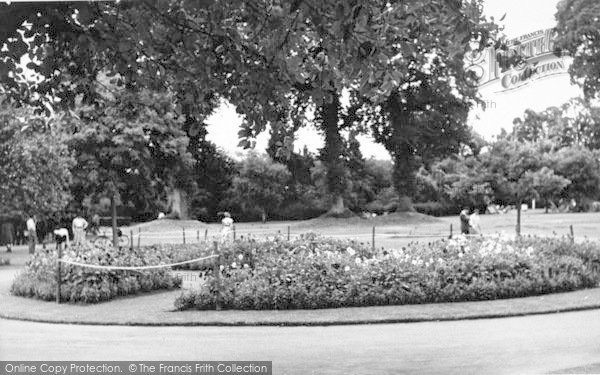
(331, 154)
(404, 178)
(113, 208)
(264, 216)
(518, 219)
(337, 208)
(404, 204)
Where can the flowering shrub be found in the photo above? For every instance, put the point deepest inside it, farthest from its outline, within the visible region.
(324, 273)
(89, 285)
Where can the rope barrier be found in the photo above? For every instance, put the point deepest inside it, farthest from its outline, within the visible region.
(96, 266)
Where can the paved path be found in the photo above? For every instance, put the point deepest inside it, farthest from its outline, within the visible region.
(568, 342)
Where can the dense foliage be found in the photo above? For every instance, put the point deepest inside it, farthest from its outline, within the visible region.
(35, 166)
(322, 273)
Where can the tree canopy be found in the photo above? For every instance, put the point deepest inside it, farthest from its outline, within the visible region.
(35, 166)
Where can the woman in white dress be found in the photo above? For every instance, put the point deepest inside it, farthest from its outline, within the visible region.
(227, 230)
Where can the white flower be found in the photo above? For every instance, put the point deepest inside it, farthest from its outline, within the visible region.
(246, 265)
(240, 257)
(358, 261)
(460, 255)
(351, 251)
(233, 265)
(347, 268)
(222, 267)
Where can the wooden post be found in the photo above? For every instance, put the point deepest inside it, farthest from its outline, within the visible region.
(217, 273)
(198, 235)
(288, 233)
(58, 273)
(139, 236)
(450, 230)
(572, 234)
(131, 241)
(205, 235)
(373, 240)
(234, 236)
(183, 230)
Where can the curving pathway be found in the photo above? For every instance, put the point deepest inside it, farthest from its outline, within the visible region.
(563, 343)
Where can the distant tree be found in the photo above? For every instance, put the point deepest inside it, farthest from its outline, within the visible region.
(548, 184)
(129, 153)
(510, 167)
(580, 166)
(260, 184)
(35, 165)
(213, 173)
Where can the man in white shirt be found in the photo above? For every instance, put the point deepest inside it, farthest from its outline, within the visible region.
(79, 227)
(31, 233)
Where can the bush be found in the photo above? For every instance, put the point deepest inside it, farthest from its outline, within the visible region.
(321, 273)
(88, 285)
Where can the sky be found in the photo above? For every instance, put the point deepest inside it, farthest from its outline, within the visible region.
(522, 17)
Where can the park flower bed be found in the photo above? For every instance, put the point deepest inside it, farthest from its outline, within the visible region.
(89, 285)
(317, 275)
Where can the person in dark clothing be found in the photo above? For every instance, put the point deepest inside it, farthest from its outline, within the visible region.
(464, 221)
(7, 235)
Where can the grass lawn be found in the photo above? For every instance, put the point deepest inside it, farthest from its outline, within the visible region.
(389, 230)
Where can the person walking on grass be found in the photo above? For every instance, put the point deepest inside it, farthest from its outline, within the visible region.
(464, 221)
(79, 227)
(474, 226)
(31, 233)
(227, 223)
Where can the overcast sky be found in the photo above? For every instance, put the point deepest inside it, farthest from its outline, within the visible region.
(522, 17)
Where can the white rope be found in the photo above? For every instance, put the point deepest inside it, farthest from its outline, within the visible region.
(135, 268)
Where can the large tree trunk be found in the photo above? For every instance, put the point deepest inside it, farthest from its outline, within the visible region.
(518, 228)
(337, 208)
(331, 154)
(404, 204)
(113, 209)
(404, 178)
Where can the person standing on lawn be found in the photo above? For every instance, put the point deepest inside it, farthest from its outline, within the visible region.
(464, 221)
(79, 227)
(31, 233)
(227, 223)
(7, 235)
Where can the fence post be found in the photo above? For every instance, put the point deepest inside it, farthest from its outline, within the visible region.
(205, 235)
(234, 236)
(450, 230)
(572, 234)
(131, 239)
(183, 230)
(217, 274)
(58, 273)
(373, 239)
(139, 236)
(288, 228)
(198, 235)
